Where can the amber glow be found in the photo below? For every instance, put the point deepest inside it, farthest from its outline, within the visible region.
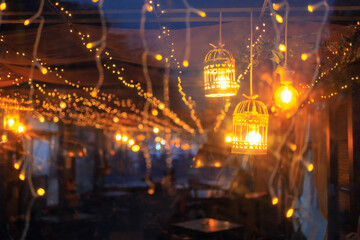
(304, 56)
(198, 163)
(275, 201)
(22, 176)
(310, 167)
(124, 138)
(89, 45)
(4, 137)
(131, 142)
(40, 191)
(253, 137)
(11, 122)
(290, 213)
(62, 105)
(21, 129)
(135, 148)
(228, 139)
(42, 119)
(282, 47)
(158, 57)
(202, 14)
(149, 8)
(151, 191)
(56, 119)
(279, 18)
(26, 22)
(17, 166)
(217, 164)
(276, 6)
(156, 130)
(286, 97)
(185, 63)
(118, 137)
(155, 112)
(310, 8)
(43, 70)
(2, 6)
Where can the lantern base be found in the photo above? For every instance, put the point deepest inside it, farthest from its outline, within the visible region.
(249, 151)
(220, 94)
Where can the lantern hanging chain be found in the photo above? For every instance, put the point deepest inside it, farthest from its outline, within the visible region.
(251, 52)
(220, 40)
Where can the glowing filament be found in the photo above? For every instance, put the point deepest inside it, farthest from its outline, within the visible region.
(279, 18)
(290, 213)
(118, 137)
(286, 96)
(135, 148)
(158, 57)
(223, 80)
(253, 137)
(40, 192)
(2, 6)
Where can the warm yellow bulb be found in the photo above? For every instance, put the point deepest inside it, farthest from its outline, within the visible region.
(151, 191)
(198, 163)
(17, 166)
(290, 213)
(56, 119)
(217, 164)
(222, 81)
(154, 112)
(228, 139)
(276, 6)
(44, 70)
(149, 8)
(275, 201)
(93, 93)
(185, 63)
(135, 148)
(4, 137)
(286, 97)
(131, 142)
(2, 6)
(42, 119)
(279, 18)
(21, 129)
(26, 22)
(304, 56)
(155, 129)
(95, 1)
(22, 176)
(282, 47)
(11, 122)
(125, 138)
(161, 106)
(310, 8)
(63, 105)
(253, 137)
(202, 14)
(40, 191)
(118, 137)
(158, 57)
(116, 119)
(310, 167)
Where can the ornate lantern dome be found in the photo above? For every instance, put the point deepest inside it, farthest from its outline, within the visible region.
(219, 73)
(250, 127)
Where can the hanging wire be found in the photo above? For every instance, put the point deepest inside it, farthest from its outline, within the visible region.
(251, 52)
(220, 33)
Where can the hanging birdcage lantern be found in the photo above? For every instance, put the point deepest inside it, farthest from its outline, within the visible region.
(250, 127)
(250, 121)
(219, 71)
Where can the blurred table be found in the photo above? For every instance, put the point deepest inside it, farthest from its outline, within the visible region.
(207, 225)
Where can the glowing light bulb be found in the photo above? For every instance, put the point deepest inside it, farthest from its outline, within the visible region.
(253, 137)
(63, 105)
(290, 213)
(279, 18)
(158, 57)
(42, 119)
(149, 8)
(11, 122)
(2, 6)
(156, 130)
(95, 1)
(22, 176)
(17, 166)
(150, 191)
(310, 167)
(135, 148)
(131, 142)
(124, 138)
(56, 119)
(223, 80)
(118, 137)
(304, 56)
(116, 119)
(282, 47)
(161, 106)
(276, 6)
(40, 191)
(217, 164)
(43, 70)
(275, 201)
(198, 163)
(185, 63)
(154, 112)
(21, 129)
(310, 8)
(26, 22)
(286, 97)
(228, 139)
(4, 138)
(202, 14)
(89, 45)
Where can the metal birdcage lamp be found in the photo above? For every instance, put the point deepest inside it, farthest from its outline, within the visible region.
(250, 127)
(219, 72)
(250, 122)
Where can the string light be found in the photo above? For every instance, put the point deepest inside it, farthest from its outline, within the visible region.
(279, 18)
(135, 148)
(2, 6)
(156, 130)
(118, 137)
(289, 212)
(275, 200)
(40, 191)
